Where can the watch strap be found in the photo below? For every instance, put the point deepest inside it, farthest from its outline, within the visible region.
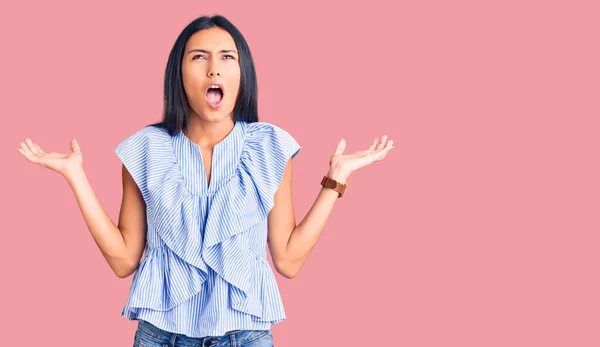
(330, 183)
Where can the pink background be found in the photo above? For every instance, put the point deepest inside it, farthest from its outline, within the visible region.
(480, 229)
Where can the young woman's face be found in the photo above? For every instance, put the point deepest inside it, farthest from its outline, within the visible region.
(211, 59)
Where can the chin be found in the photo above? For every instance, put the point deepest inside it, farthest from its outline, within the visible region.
(211, 115)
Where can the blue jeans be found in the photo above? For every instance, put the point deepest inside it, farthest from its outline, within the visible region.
(148, 335)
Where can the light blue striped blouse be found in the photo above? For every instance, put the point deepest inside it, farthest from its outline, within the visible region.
(205, 270)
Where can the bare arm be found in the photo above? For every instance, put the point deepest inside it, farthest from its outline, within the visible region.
(122, 246)
(291, 244)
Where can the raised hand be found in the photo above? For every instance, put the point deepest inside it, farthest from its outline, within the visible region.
(59, 162)
(342, 165)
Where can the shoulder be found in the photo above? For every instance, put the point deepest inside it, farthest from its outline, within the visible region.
(270, 140)
(147, 154)
(265, 131)
(149, 132)
(144, 137)
(150, 141)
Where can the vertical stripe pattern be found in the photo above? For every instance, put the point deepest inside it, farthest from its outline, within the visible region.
(205, 270)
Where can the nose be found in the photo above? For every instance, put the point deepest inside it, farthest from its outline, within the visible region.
(213, 72)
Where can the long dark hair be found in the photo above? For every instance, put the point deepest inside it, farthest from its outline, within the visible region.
(175, 103)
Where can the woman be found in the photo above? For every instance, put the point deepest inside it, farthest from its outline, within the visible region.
(204, 192)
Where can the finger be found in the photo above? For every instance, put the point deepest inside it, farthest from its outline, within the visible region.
(383, 139)
(39, 149)
(388, 144)
(26, 149)
(23, 153)
(340, 147)
(75, 146)
(382, 157)
(31, 146)
(27, 153)
(384, 152)
(376, 154)
(374, 144)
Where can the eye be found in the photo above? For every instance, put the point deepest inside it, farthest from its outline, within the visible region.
(198, 55)
(228, 56)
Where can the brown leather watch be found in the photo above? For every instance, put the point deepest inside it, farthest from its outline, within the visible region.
(328, 182)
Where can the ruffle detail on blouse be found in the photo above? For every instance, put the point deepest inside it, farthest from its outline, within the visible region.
(262, 298)
(147, 154)
(243, 201)
(172, 280)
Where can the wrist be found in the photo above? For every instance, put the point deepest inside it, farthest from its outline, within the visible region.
(338, 174)
(73, 173)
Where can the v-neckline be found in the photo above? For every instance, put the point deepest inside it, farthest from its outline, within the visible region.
(220, 152)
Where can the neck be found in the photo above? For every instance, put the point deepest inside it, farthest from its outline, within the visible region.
(208, 134)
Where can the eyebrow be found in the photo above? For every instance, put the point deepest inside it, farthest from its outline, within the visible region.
(207, 52)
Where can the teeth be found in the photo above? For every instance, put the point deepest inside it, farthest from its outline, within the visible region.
(215, 87)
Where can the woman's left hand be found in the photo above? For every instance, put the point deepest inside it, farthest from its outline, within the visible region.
(342, 165)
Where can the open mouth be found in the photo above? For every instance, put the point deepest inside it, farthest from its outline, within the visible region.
(214, 95)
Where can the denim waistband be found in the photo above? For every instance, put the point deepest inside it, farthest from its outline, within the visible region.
(162, 336)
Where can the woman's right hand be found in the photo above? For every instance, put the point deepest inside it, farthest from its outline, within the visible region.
(59, 162)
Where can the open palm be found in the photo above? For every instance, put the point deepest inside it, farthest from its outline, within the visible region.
(58, 162)
(349, 163)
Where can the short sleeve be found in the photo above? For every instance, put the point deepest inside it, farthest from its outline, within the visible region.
(133, 153)
(268, 149)
(284, 145)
